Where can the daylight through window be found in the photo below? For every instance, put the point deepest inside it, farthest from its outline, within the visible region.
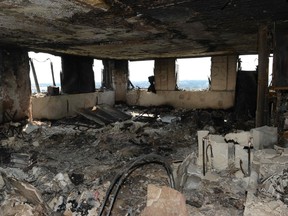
(193, 73)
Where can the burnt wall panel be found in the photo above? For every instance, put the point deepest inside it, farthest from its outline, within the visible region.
(120, 79)
(280, 58)
(77, 74)
(165, 77)
(246, 94)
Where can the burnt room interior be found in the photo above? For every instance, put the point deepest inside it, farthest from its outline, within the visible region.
(78, 148)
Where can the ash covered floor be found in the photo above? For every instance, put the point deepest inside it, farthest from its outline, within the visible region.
(65, 167)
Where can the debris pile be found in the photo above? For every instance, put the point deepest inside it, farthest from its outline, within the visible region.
(276, 186)
(67, 167)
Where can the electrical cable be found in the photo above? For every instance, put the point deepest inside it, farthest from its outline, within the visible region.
(42, 61)
(122, 175)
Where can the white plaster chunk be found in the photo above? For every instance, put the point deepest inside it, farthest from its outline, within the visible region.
(29, 128)
(169, 119)
(241, 138)
(220, 152)
(264, 137)
(62, 179)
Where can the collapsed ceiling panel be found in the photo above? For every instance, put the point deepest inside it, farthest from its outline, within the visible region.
(137, 29)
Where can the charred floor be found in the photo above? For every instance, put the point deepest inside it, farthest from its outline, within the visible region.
(116, 149)
(66, 167)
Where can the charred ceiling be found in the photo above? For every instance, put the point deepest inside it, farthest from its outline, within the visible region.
(138, 29)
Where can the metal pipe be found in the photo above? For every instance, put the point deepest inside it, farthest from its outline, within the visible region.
(241, 168)
(249, 157)
(211, 154)
(52, 72)
(249, 160)
(34, 75)
(203, 154)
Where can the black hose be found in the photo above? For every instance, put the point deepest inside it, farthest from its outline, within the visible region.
(123, 174)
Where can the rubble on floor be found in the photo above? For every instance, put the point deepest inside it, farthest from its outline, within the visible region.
(66, 167)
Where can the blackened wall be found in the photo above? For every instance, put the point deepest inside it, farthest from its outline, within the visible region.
(77, 74)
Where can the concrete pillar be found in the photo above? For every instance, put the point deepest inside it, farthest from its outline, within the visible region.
(280, 57)
(77, 74)
(107, 82)
(165, 75)
(223, 72)
(15, 85)
(120, 80)
(115, 76)
(263, 65)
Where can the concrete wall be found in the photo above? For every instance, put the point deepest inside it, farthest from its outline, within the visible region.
(56, 107)
(183, 99)
(223, 72)
(221, 95)
(15, 84)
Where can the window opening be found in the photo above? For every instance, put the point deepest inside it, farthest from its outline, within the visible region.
(44, 64)
(250, 63)
(98, 72)
(193, 73)
(139, 73)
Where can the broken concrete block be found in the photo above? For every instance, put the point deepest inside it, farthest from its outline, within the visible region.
(220, 152)
(186, 168)
(264, 137)
(241, 138)
(164, 201)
